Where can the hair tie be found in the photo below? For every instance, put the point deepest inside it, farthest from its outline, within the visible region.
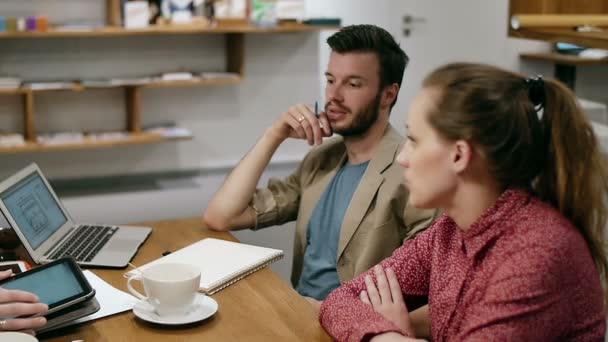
(536, 91)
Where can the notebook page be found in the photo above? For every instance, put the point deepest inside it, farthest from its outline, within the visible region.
(221, 262)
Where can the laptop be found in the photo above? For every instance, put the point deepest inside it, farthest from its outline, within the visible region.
(48, 232)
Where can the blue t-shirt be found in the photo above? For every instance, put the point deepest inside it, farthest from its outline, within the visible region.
(319, 274)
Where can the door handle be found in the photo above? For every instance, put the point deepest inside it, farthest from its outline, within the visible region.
(408, 19)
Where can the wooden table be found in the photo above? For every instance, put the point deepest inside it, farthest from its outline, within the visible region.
(260, 307)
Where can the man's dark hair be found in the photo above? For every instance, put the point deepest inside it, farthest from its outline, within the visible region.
(370, 38)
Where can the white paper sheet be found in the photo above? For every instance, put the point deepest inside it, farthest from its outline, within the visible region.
(111, 300)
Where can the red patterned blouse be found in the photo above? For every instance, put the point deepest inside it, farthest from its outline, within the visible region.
(521, 272)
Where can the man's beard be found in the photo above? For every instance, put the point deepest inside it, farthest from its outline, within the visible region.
(362, 120)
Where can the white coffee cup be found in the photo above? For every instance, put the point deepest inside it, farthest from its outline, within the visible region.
(170, 288)
(14, 336)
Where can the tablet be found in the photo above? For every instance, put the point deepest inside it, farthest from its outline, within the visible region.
(67, 316)
(58, 284)
(17, 266)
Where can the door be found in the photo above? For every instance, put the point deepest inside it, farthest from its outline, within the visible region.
(439, 31)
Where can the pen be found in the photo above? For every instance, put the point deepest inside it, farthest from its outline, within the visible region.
(317, 113)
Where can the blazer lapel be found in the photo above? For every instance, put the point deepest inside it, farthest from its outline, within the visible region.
(368, 186)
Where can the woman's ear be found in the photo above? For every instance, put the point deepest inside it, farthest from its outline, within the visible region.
(462, 155)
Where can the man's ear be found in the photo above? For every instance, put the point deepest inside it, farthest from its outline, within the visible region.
(462, 155)
(389, 94)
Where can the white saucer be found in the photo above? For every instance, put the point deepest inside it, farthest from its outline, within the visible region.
(202, 308)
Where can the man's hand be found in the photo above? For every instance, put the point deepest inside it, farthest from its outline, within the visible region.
(300, 122)
(316, 304)
(386, 298)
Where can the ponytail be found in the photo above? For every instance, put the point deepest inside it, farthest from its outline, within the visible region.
(574, 178)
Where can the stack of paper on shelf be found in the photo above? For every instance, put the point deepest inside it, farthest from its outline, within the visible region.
(11, 139)
(212, 75)
(48, 85)
(9, 83)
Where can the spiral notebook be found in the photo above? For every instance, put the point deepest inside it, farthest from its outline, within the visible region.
(222, 263)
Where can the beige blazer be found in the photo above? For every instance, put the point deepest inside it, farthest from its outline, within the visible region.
(377, 220)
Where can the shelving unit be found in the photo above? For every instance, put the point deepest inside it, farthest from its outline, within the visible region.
(566, 35)
(87, 143)
(234, 33)
(557, 34)
(110, 31)
(564, 65)
(560, 58)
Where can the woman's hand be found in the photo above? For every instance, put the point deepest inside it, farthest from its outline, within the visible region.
(5, 274)
(386, 298)
(15, 303)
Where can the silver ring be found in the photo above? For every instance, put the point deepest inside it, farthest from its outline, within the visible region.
(301, 118)
(2, 324)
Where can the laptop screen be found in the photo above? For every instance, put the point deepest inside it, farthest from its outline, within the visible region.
(35, 210)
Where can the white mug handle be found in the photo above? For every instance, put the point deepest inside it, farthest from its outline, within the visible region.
(134, 291)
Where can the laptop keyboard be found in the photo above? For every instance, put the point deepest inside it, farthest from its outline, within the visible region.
(85, 243)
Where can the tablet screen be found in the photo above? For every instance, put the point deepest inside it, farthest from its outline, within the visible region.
(53, 285)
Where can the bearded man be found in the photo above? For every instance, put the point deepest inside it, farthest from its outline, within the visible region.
(347, 195)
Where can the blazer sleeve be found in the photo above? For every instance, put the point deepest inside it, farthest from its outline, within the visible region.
(417, 220)
(346, 318)
(279, 202)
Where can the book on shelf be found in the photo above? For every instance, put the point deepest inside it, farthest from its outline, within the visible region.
(9, 83)
(11, 139)
(222, 263)
(171, 132)
(214, 75)
(115, 82)
(78, 26)
(60, 138)
(98, 83)
(49, 85)
(177, 76)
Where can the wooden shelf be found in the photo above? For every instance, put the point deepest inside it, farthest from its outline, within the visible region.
(75, 87)
(193, 83)
(12, 91)
(566, 35)
(561, 58)
(152, 84)
(111, 31)
(131, 139)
